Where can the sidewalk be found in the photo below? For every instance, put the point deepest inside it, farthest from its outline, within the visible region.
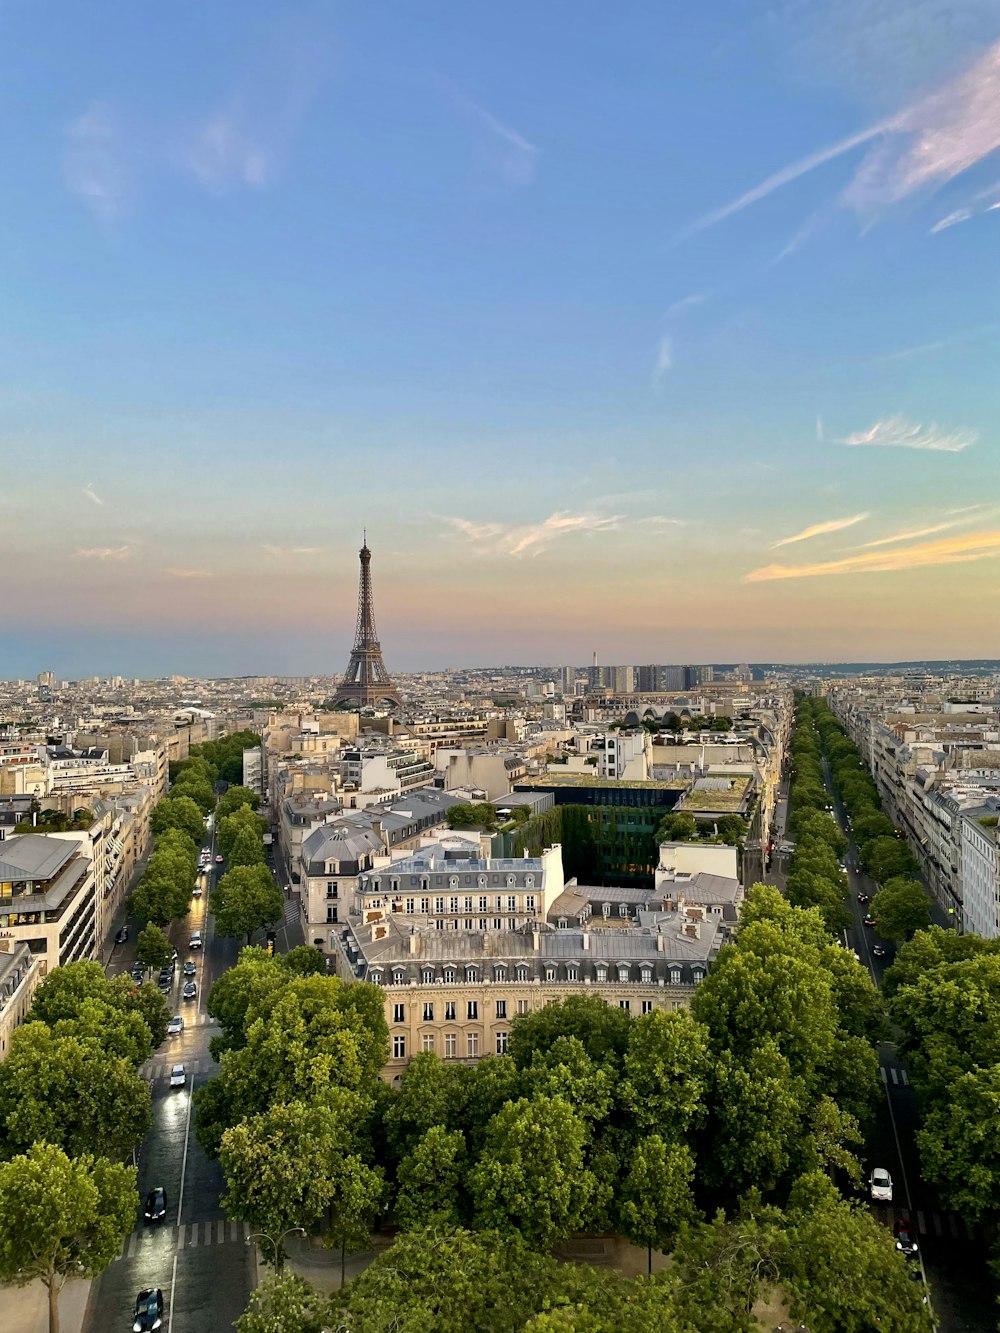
(26, 1309)
(320, 1266)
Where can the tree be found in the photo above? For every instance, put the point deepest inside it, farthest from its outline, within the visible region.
(959, 1148)
(286, 1303)
(242, 819)
(118, 1032)
(887, 858)
(679, 827)
(233, 799)
(430, 1181)
(69, 1092)
(282, 1167)
(566, 1070)
(61, 1218)
(656, 1193)
(426, 1098)
(178, 812)
(900, 909)
(197, 789)
(304, 961)
(245, 899)
(665, 1074)
(152, 948)
(475, 815)
(244, 990)
(247, 849)
(531, 1176)
(64, 989)
(150, 1005)
(64, 994)
(603, 1030)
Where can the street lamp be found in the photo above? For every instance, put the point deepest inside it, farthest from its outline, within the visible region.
(278, 1252)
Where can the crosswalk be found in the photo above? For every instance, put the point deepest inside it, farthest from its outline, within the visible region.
(897, 1077)
(191, 1235)
(930, 1224)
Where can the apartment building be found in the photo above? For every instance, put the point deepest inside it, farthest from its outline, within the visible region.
(49, 896)
(454, 993)
(20, 973)
(979, 868)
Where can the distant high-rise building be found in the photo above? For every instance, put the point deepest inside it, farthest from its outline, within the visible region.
(671, 678)
(366, 681)
(623, 679)
(46, 678)
(699, 675)
(646, 678)
(567, 679)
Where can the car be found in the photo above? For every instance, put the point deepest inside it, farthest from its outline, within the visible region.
(195, 941)
(219, 860)
(190, 990)
(878, 950)
(869, 919)
(205, 851)
(906, 1241)
(863, 898)
(176, 1026)
(166, 979)
(196, 891)
(138, 972)
(148, 1312)
(880, 1185)
(156, 1205)
(178, 1077)
(190, 968)
(122, 935)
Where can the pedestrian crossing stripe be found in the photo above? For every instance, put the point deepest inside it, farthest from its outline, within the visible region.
(898, 1077)
(927, 1224)
(190, 1236)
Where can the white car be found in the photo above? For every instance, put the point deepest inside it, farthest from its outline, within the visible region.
(880, 1185)
(178, 1078)
(176, 1026)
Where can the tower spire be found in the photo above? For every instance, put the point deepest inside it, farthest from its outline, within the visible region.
(366, 680)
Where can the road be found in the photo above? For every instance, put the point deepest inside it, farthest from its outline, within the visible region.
(954, 1258)
(199, 1259)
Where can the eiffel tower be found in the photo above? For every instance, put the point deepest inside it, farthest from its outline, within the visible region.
(366, 681)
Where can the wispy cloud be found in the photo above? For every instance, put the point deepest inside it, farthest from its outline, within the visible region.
(94, 163)
(947, 551)
(898, 433)
(685, 303)
(91, 494)
(514, 158)
(986, 201)
(103, 552)
(188, 573)
(531, 538)
(939, 344)
(660, 522)
(912, 536)
(971, 509)
(279, 552)
(664, 359)
(820, 430)
(820, 530)
(922, 147)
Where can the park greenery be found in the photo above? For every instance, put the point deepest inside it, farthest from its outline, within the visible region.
(682, 826)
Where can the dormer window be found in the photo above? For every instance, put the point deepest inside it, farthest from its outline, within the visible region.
(427, 976)
(449, 976)
(522, 972)
(398, 976)
(500, 974)
(472, 974)
(675, 976)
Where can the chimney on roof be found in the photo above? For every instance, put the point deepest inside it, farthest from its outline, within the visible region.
(586, 940)
(692, 929)
(661, 944)
(414, 941)
(536, 940)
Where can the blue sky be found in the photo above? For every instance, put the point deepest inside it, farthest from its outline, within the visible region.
(667, 334)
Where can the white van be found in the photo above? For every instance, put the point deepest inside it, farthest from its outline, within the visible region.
(195, 941)
(196, 891)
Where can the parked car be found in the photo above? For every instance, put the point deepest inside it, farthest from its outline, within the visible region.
(148, 1313)
(138, 972)
(166, 979)
(195, 941)
(176, 1026)
(178, 1077)
(156, 1205)
(122, 935)
(880, 1185)
(190, 990)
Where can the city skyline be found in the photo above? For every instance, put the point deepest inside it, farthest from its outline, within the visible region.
(672, 341)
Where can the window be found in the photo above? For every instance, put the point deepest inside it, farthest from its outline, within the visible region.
(497, 923)
(425, 905)
(399, 1013)
(331, 914)
(647, 1006)
(501, 1008)
(550, 974)
(623, 971)
(427, 976)
(647, 975)
(529, 901)
(500, 974)
(428, 1011)
(522, 1006)
(501, 1043)
(624, 1004)
(468, 902)
(675, 976)
(602, 974)
(449, 976)
(453, 925)
(472, 974)
(468, 924)
(450, 1045)
(472, 1009)
(409, 906)
(472, 1043)
(529, 881)
(522, 972)
(376, 977)
(697, 974)
(482, 923)
(331, 891)
(484, 903)
(399, 1048)
(511, 903)
(607, 909)
(562, 923)
(439, 904)
(572, 972)
(439, 923)
(623, 909)
(449, 1011)
(398, 976)
(452, 904)
(427, 1042)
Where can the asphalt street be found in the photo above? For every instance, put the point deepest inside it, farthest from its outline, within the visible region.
(200, 1260)
(954, 1257)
